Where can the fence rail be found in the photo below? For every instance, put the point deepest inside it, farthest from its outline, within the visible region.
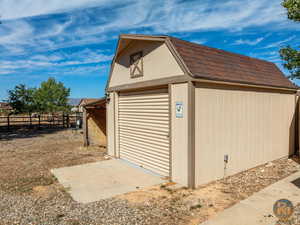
(8, 123)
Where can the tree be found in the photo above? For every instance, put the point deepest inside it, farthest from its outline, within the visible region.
(52, 97)
(21, 99)
(290, 55)
(293, 9)
(292, 61)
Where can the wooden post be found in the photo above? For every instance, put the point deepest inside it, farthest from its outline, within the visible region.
(39, 121)
(8, 125)
(68, 121)
(63, 120)
(30, 121)
(85, 129)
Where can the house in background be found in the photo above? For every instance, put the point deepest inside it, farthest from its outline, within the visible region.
(194, 113)
(74, 102)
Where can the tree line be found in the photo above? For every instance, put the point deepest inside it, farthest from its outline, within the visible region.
(50, 97)
(290, 55)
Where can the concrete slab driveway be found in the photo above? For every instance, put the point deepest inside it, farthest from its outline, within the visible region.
(95, 181)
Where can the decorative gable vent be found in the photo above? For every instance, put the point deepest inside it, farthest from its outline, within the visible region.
(136, 65)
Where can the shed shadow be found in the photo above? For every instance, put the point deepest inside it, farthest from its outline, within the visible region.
(28, 133)
(296, 182)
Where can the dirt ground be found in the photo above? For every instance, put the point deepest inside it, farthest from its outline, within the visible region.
(27, 157)
(207, 200)
(29, 194)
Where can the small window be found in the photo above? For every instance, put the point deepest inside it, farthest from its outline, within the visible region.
(136, 65)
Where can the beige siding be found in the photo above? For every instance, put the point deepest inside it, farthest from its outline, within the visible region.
(179, 93)
(144, 130)
(110, 124)
(158, 63)
(251, 126)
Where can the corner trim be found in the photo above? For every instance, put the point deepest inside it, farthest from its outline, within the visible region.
(170, 130)
(191, 135)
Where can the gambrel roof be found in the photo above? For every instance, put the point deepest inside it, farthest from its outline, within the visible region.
(211, 64)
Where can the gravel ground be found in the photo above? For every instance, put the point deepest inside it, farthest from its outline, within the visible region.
(30, 195)
(61, 210)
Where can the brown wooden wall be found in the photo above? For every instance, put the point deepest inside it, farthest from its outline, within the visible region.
(96, 122)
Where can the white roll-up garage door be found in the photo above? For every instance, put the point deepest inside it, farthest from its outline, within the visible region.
(144, 130)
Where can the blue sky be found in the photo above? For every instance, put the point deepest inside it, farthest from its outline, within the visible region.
(74, 40)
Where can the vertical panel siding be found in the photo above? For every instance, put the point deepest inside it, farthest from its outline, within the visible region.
(144, 130)
(252, 127)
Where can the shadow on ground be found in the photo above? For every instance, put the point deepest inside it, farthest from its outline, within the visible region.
(30, 133)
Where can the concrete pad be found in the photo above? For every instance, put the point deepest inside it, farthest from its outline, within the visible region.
(258, 208)
(95, 181)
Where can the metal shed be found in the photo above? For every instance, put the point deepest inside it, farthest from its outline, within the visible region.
(194, 113)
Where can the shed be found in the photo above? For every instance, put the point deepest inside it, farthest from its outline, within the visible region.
(94, 122)
(85, 101)
(194, 113)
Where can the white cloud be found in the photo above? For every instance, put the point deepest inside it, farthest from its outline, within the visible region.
(280, 43)
(57, 60)
(15, 32)
(248, 42)
(199, 41)
(15, 9)
(87, 27)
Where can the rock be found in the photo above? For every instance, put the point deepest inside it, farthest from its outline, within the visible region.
(269, 164)
(175, 187)
(192, 202)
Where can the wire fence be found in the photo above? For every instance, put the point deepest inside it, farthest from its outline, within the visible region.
(13, 122)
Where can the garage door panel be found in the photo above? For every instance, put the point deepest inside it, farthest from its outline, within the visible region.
(146, 124)
(149, 135)
(155, 151)
(150, 155)
(148, 138)
(144, 130)
(145, 141)
(156, 167)
(145, 111)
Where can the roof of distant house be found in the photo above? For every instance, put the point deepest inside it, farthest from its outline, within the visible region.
(85, 101)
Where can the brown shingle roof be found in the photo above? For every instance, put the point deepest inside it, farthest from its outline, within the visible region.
(215, 64)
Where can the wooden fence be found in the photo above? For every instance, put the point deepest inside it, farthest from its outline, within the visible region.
(12, 122)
